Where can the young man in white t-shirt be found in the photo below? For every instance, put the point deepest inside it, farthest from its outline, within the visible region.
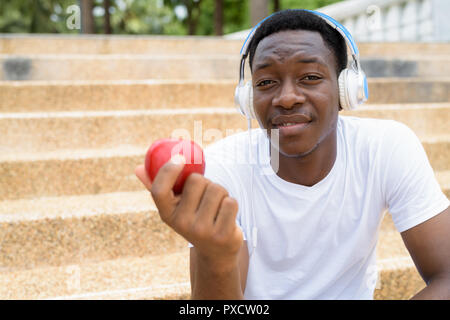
(306, 225)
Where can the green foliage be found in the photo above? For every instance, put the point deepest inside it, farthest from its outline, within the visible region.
(144, 17)
(236, 16)
(36, 16)
(306, 4)
(136, 16)
(237, 12)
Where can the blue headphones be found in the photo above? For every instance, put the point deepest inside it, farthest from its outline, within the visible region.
(353, 89)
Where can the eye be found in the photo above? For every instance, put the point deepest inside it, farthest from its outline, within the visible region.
(311, 77)
(264, 83)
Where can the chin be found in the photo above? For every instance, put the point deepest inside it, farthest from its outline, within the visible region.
(296, 151)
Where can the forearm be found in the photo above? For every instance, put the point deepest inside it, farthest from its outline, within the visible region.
(218, 282)
(437, 289)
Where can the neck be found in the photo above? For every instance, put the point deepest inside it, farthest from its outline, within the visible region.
(311, 168)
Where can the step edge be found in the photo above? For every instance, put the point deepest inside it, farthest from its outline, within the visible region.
(128, 150)
(385, 265)
(203, 110)
(32, 83)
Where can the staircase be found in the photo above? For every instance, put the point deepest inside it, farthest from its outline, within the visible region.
(77, 115)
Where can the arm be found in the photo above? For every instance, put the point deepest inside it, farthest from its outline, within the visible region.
(224, 282)
(205, 216)
(429, 246)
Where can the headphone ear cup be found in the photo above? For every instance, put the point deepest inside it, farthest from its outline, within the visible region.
(243, 97)
(250, 101)
(342, 90)
(348, 89)
(237, 99)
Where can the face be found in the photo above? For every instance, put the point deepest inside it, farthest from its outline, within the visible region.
(295, 90)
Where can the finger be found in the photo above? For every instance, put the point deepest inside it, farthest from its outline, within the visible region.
(226, 218)
(142, 175)
(210, 204)
(162, 186)
(193, 190)
(184, 214)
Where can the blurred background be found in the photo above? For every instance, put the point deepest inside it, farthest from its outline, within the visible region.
(164, 17)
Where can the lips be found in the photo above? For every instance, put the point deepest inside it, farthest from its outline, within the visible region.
(293, 119)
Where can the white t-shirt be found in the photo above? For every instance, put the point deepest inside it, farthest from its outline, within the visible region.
(319, 242)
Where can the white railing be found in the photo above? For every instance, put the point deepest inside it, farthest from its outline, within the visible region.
(393, 20)
(389, 20)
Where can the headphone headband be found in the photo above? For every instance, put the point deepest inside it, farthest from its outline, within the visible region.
(332, 22)
(341, 29)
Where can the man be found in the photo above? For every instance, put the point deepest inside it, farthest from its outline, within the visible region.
(319, 212)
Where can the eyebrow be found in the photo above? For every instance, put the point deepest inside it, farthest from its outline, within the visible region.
(303, 60)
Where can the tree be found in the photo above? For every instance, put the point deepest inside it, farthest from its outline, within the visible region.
(218, 17)
(87, 16)
(107, 7)
(235, 17)
(276, 5)
(193, 12)
(259, 9)
(193, 9)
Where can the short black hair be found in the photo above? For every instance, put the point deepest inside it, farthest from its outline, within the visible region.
(298, 19)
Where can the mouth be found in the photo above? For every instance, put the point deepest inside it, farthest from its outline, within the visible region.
(291, 123)
(291, 119)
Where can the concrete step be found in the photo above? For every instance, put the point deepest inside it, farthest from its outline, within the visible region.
(398, 278)
(69, 172)
(77, 172)
(117, 44)
(119, 67)
(50, 131)
(164, 276)
(409, 66)
(167, 276)
(443, 178)
(408, 90)
(69, 230)
(66, 230)
(32, 96)
(403, 49)
(178, 67)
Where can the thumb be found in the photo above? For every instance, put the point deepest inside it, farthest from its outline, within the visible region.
(142, 175)
(162, 185)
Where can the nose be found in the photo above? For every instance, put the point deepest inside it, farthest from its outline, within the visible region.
(288, 95)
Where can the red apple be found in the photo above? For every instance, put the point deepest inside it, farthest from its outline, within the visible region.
(162, 150)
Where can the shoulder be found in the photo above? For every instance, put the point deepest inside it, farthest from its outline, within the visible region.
(352, 125)
(374, 144)
(370, 131)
